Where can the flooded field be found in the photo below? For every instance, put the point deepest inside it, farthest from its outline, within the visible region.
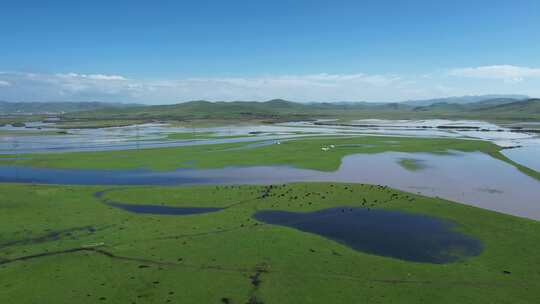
(525, 145)
(472, 178)
(528, 153)
(125, 138)
(382, 232)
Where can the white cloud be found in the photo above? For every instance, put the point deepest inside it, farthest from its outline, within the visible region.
(508, 73)
(91, 76)
(309, 87)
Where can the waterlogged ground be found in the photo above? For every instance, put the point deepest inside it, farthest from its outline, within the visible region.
(25, 140)
(528, 153)
(485, 179)
(62, 244)
(234, 225)
(473, 178)
(515, 135)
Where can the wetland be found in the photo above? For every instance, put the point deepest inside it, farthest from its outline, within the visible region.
(131, 213)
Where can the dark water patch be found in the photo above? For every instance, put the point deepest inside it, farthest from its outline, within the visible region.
(154, 209)
(23, 174)
(163, 210)
(399, 235)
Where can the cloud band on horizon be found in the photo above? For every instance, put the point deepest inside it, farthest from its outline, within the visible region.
(495, 79)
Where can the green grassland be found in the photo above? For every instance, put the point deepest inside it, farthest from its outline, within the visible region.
(63, 244)
(190, 135)
(301, 153)
(60, 244)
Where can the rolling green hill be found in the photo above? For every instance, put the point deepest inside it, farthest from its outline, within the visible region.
(526, 107)
(495, 109)
(97, 114)
(465, 99)
(480, 105)
(201, 110)
(282, 110)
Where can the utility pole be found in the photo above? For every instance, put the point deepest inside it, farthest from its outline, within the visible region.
(137, 129)
(16, 155)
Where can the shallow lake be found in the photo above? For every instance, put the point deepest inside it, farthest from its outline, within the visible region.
(410, 237)
(158, 209)
(162, 210)
(528, 154)
(472, 178)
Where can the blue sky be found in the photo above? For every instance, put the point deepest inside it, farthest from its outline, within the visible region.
(306, 50)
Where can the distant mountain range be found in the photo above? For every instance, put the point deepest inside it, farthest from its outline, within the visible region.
(464, 99)
(500, 108)
(55, 107)
(488, 107)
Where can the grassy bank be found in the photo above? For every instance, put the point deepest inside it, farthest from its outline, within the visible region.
(302, 153)
(201, 135)
(33, 132)
(66, 246)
